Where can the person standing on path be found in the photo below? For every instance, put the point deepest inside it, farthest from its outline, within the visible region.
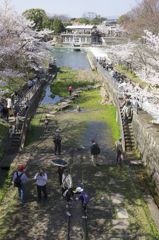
(9, 106)
(57, 140)
(24, 179)
(26, 104)
(66, 181)
(119, 150)
(46, 122)
(16, 108)
(41, 179)
(60, 171)
(94, 153)
(18, 121)
(70, 90)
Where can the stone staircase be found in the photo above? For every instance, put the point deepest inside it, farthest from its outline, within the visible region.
(128, 134)
(15, 144)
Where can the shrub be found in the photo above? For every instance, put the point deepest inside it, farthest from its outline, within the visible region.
(123, 67)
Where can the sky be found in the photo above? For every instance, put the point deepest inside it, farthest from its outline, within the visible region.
(73, 8)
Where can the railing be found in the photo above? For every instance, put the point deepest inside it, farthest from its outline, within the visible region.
(24, 123)
(120, 121)
(116, 100)
(108, 76)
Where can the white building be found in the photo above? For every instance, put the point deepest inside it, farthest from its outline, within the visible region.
(80, 35)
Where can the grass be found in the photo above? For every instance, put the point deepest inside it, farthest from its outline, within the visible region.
(5, 182)
(95, 186)
(3, 130)
(64, 79)
(132, 75)
(91, 99)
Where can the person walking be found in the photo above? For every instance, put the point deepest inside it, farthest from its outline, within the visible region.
(19, 180)
(119, 150)
(9, 106)
(83, 197)
(5, 112)
(125, 113)
(66, 181)
(46, 122)
(26, 104)
(11, 131)
(16, 108)
(41, 179)
(18, 121)
(57, 141)
(94, 153)
(70, 90)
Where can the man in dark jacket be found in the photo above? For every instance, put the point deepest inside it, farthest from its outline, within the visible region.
(57, 140)
(94, 154)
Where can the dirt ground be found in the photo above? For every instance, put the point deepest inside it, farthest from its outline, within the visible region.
(47, 219)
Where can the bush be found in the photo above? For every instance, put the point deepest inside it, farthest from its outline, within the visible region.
(133, 75)
(123, 67)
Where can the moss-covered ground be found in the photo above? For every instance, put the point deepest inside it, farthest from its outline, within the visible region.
(47, 219)
(67, 77)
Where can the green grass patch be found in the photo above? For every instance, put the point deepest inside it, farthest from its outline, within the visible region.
(3, 130)
(64, 79)
(91, 99)
(132, 75)
(5, 182)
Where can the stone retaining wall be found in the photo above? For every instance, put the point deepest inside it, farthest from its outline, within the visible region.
(147, 141)
(146, 135)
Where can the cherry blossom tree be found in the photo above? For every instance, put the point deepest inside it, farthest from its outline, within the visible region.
(145, 62)
(19, 44)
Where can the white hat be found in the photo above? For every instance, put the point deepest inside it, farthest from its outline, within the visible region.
(57, 130)
(79, 189)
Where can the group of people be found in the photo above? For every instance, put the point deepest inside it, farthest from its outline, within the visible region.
(32, 82)
(8, 108)
(66, 184)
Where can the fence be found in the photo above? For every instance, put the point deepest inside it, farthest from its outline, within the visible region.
(115, 84)
(29, 94)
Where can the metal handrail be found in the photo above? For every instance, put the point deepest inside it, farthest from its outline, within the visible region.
(117, 103)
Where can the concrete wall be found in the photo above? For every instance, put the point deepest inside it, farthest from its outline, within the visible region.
(147, 141)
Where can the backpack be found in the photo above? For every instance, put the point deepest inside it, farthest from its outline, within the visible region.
(18, 182)
(57, 139)
(85, 197)
(96, 149)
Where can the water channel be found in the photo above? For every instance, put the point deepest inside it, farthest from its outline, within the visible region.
(65, 57)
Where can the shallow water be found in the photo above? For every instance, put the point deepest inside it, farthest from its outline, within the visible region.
(48, 101)
(66, 57)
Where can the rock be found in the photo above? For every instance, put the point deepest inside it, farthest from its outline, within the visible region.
(78, 108)
(98, 174)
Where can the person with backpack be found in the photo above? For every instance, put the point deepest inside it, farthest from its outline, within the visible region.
(19, 180)
(95, 150)
(57, 140)
(84, 198)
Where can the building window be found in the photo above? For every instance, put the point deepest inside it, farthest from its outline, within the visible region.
(82, 39)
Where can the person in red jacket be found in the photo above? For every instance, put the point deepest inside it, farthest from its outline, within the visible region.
(70, 90)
